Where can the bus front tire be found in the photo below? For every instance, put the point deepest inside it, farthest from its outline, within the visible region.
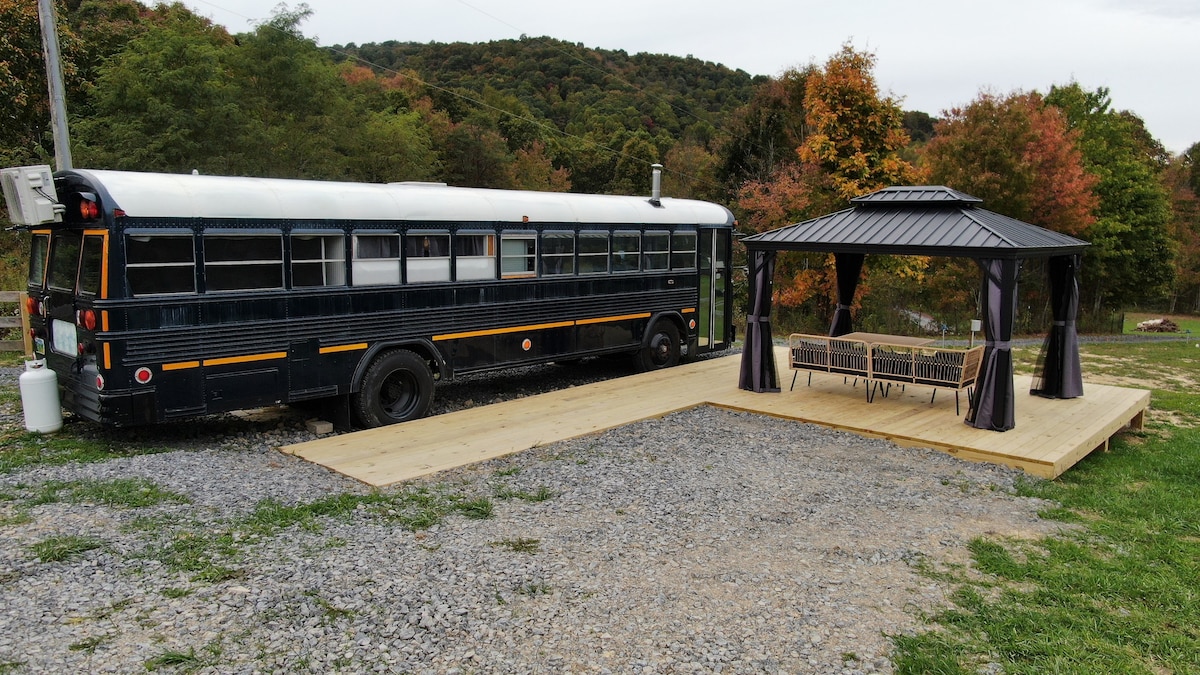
(661, 350)
(397, 387)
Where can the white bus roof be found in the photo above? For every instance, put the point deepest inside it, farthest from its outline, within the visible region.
(148, 195)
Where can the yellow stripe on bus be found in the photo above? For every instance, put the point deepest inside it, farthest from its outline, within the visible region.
(342, 348)
(606, 319)
(182, 365)
(501, 331)
(688, 310)
(245, 359)
(107, 358)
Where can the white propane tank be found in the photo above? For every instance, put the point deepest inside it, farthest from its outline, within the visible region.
(39, 398)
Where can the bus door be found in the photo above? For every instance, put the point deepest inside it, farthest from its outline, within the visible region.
(714, 287)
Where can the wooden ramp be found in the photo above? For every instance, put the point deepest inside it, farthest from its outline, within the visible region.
(1050, 435)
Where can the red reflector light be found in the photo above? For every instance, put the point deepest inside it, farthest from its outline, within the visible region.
(100, 382)
(30, 305)
(87, 319)
(142, 375)
(88, 210)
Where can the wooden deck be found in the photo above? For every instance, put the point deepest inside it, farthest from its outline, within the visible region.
(1050, 435)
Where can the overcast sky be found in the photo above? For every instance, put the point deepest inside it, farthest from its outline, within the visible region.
(932, 54)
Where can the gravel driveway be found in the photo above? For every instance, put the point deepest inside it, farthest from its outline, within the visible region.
(706, 541)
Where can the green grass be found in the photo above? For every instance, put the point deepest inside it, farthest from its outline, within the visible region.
(1118, 594)
(212, 552)
(185, 661)
(127, 493)
(64, 547)
(519, 545)
(21, 450)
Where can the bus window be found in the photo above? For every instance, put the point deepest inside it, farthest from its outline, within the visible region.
(474, 256)
(160, 264)
(243, 262)
(64, 261)
(427, 257)
(376, 259)
(656, 250)
(91, 263)
(593, 252)
(683, 251)
(518, 255)
(626, 248)
(558, 253)
(38, 248)
(318, 260)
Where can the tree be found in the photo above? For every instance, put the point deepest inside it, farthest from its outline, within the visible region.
(764, 134)
(1017, 155)
(1131, 259)
(532, 169)
(851, 146)
(1185, 231)
(167, 102)
(25, 135)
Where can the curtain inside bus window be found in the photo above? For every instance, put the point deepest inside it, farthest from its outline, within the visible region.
(243, 262)
(558, 253)
(626, 251)
(64, 261)
(318, 260)
(474, 257)
(91, 263)
(427, 257)
(376, 259)
(38, 248)
(160, 264)
(593, 252)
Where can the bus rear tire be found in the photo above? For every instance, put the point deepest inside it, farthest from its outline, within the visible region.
(397, 387)
(661, 350)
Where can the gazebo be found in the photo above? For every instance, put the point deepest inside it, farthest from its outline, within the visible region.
(932, 221)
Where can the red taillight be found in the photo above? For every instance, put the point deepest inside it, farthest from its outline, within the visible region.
(86, 319)
(88, 210)
(142, 375)
(31, 307)
(100, 382)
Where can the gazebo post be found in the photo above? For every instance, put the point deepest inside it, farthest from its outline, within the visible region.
(848, 267)
(757, 371)
(993, 402)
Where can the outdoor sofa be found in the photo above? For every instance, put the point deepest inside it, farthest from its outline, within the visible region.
(882, 363)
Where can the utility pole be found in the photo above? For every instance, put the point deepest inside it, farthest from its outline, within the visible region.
(54, 78)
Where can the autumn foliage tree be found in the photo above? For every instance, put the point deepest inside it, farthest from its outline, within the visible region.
(1017, 155)
(850, 145)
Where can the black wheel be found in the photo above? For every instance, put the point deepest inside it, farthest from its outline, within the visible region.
(397, 387)
(662, 349)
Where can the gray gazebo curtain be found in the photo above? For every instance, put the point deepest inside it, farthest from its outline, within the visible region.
(758, 357)
(1059, 374)
(992, 405)
(849, 268)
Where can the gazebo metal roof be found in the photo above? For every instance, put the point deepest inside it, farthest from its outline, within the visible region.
(929, 220)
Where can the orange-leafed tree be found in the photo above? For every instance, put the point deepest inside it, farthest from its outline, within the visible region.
(1018, 155)
(851, 143)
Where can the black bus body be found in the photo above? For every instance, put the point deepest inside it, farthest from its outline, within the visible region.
(158, 297)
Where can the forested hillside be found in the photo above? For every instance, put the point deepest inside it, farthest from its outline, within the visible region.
(162, 89)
